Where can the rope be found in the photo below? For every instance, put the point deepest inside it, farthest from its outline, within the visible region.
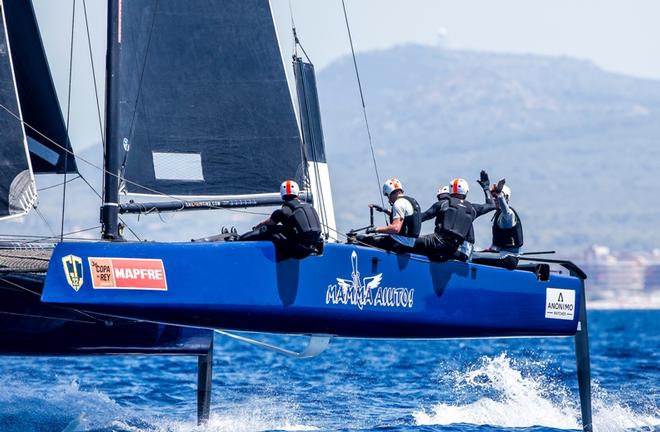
(91, 60)
(57, 185)
(319, 189)
(92, 164)
(67, 234)
(364, 107)
(47, 317)
(139, 93)
(68, 116)
(52, 231)
(99, 195)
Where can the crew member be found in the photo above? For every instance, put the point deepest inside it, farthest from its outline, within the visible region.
(295, 228)
(405, 222)
(507, 231)
(464, 251)
(453, 219)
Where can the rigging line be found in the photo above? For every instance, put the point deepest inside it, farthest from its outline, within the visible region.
(92, 164)
(139, 88)
(45, 221)
(296, 41)
(91, 60)
(22, 236)
(46, 317)
(8, 255)
(119, 217)
(364, 108)
(361, 243)
(317, 173)
(21, 287)
(68, 115)
(293, 28)
(67, 234)
(58, 184)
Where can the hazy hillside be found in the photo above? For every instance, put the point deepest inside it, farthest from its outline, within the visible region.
(579, 146)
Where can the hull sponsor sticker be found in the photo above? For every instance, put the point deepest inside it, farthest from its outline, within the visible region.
(73, 270)
(361, 292)
(559, 303)
(128, 273)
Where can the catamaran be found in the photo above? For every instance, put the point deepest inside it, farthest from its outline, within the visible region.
(198, 109)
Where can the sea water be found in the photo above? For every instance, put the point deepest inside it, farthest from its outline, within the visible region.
(356, 385)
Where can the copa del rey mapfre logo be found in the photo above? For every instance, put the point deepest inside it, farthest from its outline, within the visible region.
(128, 273)
(362, 292)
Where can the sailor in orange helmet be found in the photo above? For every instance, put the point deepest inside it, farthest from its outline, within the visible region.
(294, 228)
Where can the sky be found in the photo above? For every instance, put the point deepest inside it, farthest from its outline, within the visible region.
(620, 36)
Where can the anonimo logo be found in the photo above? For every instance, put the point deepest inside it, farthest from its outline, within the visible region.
(362, 292)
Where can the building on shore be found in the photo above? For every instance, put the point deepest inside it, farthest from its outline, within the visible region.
(620, 277)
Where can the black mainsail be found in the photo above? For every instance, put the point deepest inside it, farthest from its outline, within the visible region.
(50, 150)
(202, 106)
(17, 188)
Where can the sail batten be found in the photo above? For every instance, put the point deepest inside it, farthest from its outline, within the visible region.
(204, 107)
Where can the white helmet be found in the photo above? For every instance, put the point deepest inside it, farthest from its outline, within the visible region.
(391, 185)
(506, 191)
(289, 188)
(443, 190)
(459, 186)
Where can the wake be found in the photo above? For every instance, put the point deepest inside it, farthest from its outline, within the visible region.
(514, 400)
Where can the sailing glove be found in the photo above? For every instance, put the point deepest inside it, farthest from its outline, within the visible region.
(500, 185)
(483, 181)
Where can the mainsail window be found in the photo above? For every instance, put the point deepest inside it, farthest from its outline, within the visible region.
(43, 152)
(178, 166)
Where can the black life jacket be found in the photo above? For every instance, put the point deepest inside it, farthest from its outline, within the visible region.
(303, 224)
(470, 235)
(412, 224)
(456, 220)
(509, 237)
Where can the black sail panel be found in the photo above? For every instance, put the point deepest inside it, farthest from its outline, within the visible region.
(17, 190)
(204, 105)
(310, 111)
(36, 91)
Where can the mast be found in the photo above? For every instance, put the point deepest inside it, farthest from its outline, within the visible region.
(111, 163)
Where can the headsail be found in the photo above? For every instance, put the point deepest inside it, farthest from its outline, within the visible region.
(47, 135)
(204, 108)
(17, 189)
(314, 145)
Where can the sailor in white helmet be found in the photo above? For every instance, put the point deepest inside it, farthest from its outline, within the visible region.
(464, 251)
(507, 231)
(294, 228)
(404, 217)
(453, 219)
(507, 226)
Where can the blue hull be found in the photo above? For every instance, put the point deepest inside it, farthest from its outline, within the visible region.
(349, 291)
(30, 327)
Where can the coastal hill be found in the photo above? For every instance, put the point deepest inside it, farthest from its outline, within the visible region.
(579, 146)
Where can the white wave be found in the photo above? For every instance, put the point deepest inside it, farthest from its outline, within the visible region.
(43, 407)
(516, 400)
(80, 410)
(254, 415)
